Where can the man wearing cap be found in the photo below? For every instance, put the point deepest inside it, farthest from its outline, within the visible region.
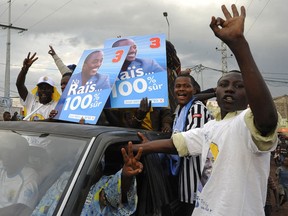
(38, 105)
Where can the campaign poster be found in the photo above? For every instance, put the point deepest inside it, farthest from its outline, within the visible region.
(90, 85)
(143, 74)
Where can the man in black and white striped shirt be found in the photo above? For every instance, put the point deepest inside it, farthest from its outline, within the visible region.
(190, 113)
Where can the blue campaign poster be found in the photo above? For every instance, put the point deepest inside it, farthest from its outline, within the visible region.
(90, 85)
(143, 74)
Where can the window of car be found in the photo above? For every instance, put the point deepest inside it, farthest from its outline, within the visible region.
(32, 165)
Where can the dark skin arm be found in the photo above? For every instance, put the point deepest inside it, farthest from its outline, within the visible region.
(20, 83)
(231, 31)
(156, 146)
(132, 167)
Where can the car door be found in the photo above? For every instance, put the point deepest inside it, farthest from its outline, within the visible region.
(107, 145)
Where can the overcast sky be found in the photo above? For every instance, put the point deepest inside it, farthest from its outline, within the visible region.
(72, 26)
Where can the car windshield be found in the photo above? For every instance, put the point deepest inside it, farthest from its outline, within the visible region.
(31, 164)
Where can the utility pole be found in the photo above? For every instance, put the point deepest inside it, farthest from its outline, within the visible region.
(199, 69)
(224, 57)
(165, 14)
(8, 47)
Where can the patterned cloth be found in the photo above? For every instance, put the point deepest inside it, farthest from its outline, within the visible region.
(49, 201)
(111, 199)
(189, 174)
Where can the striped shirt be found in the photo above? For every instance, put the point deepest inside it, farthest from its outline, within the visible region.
(190, 171)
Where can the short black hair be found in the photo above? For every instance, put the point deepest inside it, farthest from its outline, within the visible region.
(117, 43)
(71, 67)
(193, 82)
(229, 72)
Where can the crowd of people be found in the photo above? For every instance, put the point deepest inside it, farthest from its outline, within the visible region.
(217, 165)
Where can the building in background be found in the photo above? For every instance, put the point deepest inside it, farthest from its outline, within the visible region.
(282, 107)
(281, 104)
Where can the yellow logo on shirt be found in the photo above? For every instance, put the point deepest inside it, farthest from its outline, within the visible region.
(214, 150)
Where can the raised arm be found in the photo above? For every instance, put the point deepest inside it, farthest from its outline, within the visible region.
(20, 83)
(156, 146)
(231, 31)
(132, 167)
(59, 63)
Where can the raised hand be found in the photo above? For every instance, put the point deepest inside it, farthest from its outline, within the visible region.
(144, 108)
(29, 60)
(52, 114)
(230, 29)
(51, 51)
(132, 165)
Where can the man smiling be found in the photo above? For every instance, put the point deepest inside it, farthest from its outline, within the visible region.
(37, 106)
(133, 66)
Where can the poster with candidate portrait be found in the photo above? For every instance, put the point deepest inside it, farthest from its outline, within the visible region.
(90, 85)
(143, 74)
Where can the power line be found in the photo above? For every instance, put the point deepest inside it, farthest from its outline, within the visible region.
(249, 5)
(199, 68)
(6, 8)
(8, 47)
(4, 11)
(258, 16)
(275, 73)
(275, 80)
(25, 11)
(53, 12)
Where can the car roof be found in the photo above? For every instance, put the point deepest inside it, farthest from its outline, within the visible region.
(67, 129)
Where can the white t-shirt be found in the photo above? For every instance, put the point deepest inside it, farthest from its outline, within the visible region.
(32, 103)
(21, 188)
(234, 171)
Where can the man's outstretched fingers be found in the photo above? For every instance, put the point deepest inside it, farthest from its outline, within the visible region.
(139, 153)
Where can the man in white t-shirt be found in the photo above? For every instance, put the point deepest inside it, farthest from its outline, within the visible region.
(39, 105)
(236, 145)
